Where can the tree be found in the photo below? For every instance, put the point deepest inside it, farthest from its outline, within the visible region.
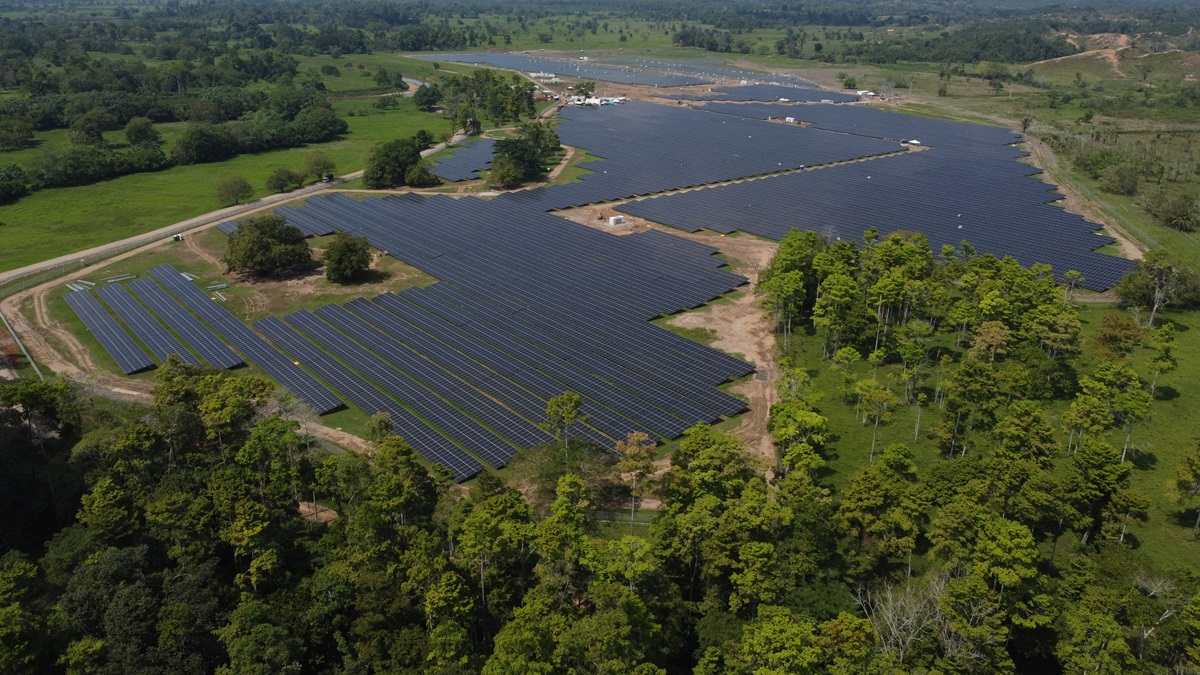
(585, 88)
(389, 162)
(505, 173)
(1154, 284)
(991, 338)
(636, 463)
(420, 175)
(266, 246)
(140, 131)
(1093, 641)
(1187, 484)
(1163, 361)
(233, 190)
(562, 413)
(15, 133)
(882, 510)
(427, 97)
(257, 641)
(284, 180)
(14, 183)
(877, 402)
(1119, 335)
(88, 128)
(785, 294)
(318, 165)
(347, 258)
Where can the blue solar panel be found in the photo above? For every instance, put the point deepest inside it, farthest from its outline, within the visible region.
(291, 376)
(145, 326)
(765, 92)
(427, 441)
(578, 68)
(466, 161)
(120, 346)
(185, 325)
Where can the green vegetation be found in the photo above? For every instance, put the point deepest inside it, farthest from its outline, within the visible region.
(52, 222)
(347, 258)
(266, 246)
(524, 157)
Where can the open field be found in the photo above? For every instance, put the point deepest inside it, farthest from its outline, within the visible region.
(52, 222)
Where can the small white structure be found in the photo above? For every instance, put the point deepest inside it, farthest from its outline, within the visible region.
(613, 221)
(790, 120)
(913, 142)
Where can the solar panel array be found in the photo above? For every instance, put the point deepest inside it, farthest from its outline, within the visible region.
(969, 185)
(466, 161)
(143, 324)
(232, 330)
(648, 148)
(566, 67)
(116, 341)
(766, 92)
(186, 326)
(528, 305)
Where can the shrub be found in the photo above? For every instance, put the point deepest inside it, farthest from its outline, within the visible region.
(284, 180)
(505, 172)
(1175, 209)
(233, 190)
(419, 175)
(1120, 179)
(14, 183)
(317, 165)
(204, 143)
(140, 131)
(347, 258)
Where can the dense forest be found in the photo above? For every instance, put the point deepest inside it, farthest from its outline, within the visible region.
(209, 533)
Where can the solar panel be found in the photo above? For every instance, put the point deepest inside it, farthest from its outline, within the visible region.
(191, 331)
(432, 445)
(120, 346)
(291, 376)
(144, 325)
(766, 92)
(465, 162)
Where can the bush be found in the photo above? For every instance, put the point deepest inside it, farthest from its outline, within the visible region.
(15, 133)
(316, 124)
(1175, 209)
(317, 165)
(140, 131)
(427, 97)
(284, 180)
(201, 143)
(505, 173)
(14, 183)
(347, 258)
(233, 190)
(423, 138)
(266, 246)
(419, 175)
(1120, 179)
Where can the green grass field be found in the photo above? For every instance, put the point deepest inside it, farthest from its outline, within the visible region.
(1160, 442)
(53, 222)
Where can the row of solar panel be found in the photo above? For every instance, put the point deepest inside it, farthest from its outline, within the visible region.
(154, 315)
(766, 93)
(569, 68)
(465, 162)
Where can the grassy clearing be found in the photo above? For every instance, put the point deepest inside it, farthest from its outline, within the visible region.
(1160, 443)
(356, 72)
(53, 222)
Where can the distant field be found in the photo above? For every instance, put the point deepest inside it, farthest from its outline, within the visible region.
(53, 222)
(357, 71)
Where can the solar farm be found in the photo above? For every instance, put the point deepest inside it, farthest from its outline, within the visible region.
(529, 304)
